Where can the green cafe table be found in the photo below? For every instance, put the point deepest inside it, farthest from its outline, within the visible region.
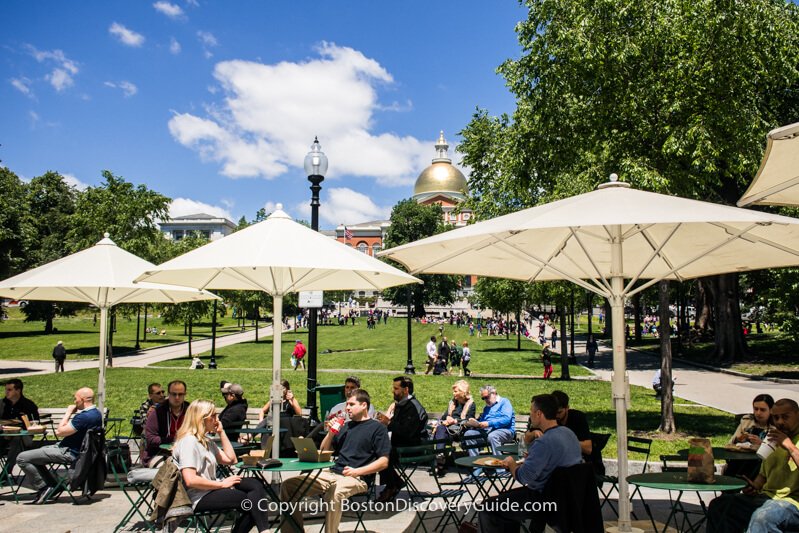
(309, 471)
(678, 482)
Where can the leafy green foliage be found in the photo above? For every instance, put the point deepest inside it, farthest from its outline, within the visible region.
(16, 230)
(411, 221)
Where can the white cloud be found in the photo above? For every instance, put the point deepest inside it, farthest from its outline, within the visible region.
(126, 36)
(34, 118)
(271, 113)
(75, 182)
(22, 85)
(61, 76)
(342, 205)
(59, 79)
(174, 46)
(170, 10)
(186, 206)
(128, 88)
(208, 40)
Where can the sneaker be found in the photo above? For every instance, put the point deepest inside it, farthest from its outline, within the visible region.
(39, 497)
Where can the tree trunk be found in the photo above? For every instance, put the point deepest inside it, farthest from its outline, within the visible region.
(637, 314)
(564, 351)
(48, 325)
(518, 331)
(608, 319)
(730, 341)
(190, 328)
(704, 305)
(571, 326)
(590, 300)
(666, 398)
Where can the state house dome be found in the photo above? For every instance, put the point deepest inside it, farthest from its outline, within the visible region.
(441, 176)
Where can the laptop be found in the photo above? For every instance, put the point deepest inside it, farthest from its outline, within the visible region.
(307, 451)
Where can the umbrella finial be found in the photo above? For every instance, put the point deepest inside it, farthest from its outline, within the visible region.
(613, 182)
(106, 239)
(279, 213)
(614, 177)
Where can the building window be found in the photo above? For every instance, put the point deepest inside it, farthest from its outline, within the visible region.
(375, 248)
(206, 234)
(362, 247)
(177, 234)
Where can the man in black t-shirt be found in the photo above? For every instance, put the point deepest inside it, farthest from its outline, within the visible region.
(363, 448)
(577, 422)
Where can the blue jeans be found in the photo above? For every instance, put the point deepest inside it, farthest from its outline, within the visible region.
(774, 516)
(496, 437)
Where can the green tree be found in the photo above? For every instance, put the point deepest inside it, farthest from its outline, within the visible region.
(16, 230)
(127, 212)
(51, 203)
(504, 296)
(411, 221)
(674, 95)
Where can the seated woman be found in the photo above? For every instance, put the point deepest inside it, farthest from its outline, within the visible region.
(289, 407)
(197, 457)
(460, 408)
(751, 430)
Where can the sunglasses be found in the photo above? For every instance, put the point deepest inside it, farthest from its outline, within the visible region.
(486, 398)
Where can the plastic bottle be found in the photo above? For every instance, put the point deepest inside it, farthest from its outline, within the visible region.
(336, 424)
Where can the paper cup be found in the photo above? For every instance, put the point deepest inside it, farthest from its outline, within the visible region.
(766, 449)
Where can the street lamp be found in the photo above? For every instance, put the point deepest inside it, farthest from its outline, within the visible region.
(315, 165)
(409, 368)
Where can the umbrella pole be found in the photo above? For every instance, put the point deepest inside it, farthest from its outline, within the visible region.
(619, 383)
(103, 342)
(276, 392)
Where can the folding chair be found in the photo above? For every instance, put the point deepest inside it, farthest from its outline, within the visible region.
(64, 480)
(639, 445)
(423, 458)
(138, 493)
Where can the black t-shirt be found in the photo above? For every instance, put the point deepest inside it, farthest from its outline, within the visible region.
(359, 444)
(578, 423)
(14, 411)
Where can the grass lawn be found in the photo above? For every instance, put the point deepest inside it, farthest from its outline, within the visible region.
(385, 348)
(377, 356)
(81, 336)
(771, 354)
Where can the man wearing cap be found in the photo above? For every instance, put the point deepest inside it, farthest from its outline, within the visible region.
(60, 355)
(234, 415)
(299, 354)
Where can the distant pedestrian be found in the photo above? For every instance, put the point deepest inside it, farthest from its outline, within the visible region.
(554, 339)
(467, 356)
(591, 346)
(60, 355)
(546, 359)
(299, 355)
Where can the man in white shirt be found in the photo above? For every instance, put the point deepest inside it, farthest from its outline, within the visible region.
(432, 354)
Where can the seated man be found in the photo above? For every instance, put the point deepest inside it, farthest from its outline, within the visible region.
(363, 448)
(577, 422)
(15, 404)
(771, 502)
(155, 396)
(234, 415)
(163, 423)
(497, 422)
(340, 409)
(557, 447)
(71, 432)
(407, 423)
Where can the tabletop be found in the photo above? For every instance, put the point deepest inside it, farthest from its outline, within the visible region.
(722, 454)
(469, 460)
(21, 433)
(291, 465)
(679, 481)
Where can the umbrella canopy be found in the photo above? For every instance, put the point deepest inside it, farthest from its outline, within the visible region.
(777, 180)
(102, 275)
(606, 241)
(277, 256)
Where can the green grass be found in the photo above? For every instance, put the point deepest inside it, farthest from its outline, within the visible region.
(385, 348)
(771, 354)
(27, 341)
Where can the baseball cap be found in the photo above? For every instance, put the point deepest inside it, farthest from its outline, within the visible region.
(224, 386)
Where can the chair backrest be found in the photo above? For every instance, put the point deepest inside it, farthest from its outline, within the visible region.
(573, 490)
(640, 445)
(669, 466)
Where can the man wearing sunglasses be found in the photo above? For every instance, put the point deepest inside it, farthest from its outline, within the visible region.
(163, 423)
(497, 422)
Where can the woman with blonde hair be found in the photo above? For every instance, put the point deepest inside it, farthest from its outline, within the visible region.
(197, 456)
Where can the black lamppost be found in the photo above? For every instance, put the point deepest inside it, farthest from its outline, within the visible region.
(212, 363)
(315, 165)
(138, 321)
(409, 368)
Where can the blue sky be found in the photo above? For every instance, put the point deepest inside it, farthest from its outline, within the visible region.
(215, 104)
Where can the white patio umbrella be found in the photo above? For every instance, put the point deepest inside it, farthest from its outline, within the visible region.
(606, 238)
(277, 256)
(777, 179)
(102, 275)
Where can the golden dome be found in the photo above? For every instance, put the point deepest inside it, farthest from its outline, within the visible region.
(441, 176)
